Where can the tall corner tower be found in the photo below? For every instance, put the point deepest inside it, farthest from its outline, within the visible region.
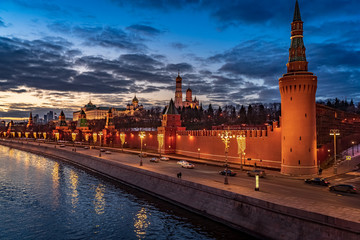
(178, 92)
(298, 108)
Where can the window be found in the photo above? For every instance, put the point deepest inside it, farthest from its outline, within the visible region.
(290, 149)
(299, 162)
(305, 115)
(300, 138)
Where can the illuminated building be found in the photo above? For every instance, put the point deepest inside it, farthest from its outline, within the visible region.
(189, 102)
(298, 108)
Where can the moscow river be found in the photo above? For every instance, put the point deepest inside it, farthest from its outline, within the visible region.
(42, 198)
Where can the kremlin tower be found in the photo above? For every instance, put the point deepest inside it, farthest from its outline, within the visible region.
(178, 92)
(298, 108)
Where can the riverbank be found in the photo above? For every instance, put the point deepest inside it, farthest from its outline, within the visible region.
(255, 213)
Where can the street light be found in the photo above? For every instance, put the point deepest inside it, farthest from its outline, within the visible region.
(142, 136)
(225, 137)
(335, 132)
(353, 147)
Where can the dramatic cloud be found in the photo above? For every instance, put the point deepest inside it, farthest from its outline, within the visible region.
(107, 37)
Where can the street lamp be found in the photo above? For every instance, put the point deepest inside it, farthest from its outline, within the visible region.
(352, 143)
(142, 136)
(225, 137)
(335, 132)
(199, 153)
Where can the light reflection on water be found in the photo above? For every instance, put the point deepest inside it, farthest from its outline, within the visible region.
(42, 198)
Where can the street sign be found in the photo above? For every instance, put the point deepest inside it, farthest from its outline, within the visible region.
(348, 158)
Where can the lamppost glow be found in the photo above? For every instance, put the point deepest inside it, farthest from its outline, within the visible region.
(142, 136)
(335, 132)
(122, 139)
(160, 138)
(241, 140)
(225, 137)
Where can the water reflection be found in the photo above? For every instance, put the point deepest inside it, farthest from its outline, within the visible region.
(52, 199)
(141, 223)
(74, 183)
(55, 179)
(99, 201)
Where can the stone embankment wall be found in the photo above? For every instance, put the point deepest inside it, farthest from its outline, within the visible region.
(261, 218)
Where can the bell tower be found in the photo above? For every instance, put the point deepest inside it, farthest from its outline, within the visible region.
(178, 92)
(298, 108)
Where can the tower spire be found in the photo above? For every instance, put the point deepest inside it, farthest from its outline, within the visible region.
(297, 58)
(297, 16)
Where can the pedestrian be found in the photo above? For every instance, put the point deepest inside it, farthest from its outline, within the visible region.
(255, 165)
(179, 175)
(320, 171)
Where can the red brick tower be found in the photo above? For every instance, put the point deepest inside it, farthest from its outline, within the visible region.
(169, 125)
(298, 109)
(178, 92)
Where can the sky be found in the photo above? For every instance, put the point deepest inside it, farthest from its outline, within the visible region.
(59, 54)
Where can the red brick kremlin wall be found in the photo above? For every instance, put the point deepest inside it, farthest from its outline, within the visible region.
(262, 146)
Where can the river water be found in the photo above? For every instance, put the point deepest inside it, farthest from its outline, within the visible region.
(42, 198)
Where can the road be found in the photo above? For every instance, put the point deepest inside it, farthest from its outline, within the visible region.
(271, 184)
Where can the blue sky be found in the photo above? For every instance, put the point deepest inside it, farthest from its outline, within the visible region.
(57, 54)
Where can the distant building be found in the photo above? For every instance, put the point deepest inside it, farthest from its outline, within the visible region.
(93, 112)
(189, 102)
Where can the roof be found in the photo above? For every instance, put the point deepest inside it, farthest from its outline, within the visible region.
(189, 90)
(178, 78)
(171, 108)
(297, 16)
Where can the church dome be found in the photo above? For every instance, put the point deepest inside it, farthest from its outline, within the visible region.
(135, 99)
(178, 78)
(189, 90)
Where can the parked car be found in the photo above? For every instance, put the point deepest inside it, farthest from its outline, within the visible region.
(255, 172)
(142, 155)
(181, 162)
(107, 152)
(228, 172)
(188, 165)
(102, 150)
(62, 145)
(343, 188)
(164, 159)
(86, 147)
(317, 181)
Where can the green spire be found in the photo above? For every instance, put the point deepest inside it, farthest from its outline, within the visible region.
(171, 108)
(297, 16)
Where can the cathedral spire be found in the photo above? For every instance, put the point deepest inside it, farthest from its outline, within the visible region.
(297, 58)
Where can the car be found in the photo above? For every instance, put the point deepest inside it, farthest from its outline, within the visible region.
(102, 150)
(317, 181)
(62, 145)
(164, 159)
(181, 162)
(86, 147)
(154, 159)
(255, 172)
(188, 165)
(343, 188)
(142, 155)
(228, 172)
(107, 152)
